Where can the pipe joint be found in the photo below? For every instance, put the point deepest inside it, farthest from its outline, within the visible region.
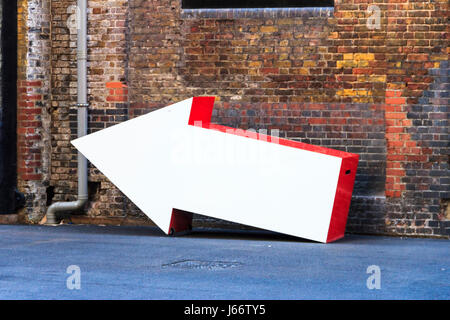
(57, 207)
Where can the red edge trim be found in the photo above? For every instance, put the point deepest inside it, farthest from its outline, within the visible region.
(342, 198)
(201, 112)
(180, 221)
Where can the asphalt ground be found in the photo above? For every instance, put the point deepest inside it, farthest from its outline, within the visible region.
(95, 262)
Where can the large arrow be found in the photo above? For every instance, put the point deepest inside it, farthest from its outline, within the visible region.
(173, 162)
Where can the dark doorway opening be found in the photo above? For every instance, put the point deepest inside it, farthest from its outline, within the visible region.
(9, 197)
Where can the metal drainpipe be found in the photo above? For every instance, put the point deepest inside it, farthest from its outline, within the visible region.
(82, 108)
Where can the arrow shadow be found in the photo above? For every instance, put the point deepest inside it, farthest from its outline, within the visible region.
(233, 234)
(196, 233)
(199, 232)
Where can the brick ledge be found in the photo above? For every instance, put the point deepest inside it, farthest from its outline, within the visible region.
(266, 13)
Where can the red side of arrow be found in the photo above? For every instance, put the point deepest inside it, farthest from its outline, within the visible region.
(201, 110)
(180, 221)
(201, 113)
(342, 198)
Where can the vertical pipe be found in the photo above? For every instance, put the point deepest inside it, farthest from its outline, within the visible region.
(82, 103)
(82, 115)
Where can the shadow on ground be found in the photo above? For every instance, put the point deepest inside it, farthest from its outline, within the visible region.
(205, 233)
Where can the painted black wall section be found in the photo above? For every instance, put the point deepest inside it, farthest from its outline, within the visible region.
(8, 111)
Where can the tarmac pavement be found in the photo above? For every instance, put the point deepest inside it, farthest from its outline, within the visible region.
(94, 262)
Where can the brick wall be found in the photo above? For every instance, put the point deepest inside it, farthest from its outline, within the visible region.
(33, 101)
(320, 76)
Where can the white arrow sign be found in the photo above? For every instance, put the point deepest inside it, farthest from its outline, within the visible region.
(173, 162)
